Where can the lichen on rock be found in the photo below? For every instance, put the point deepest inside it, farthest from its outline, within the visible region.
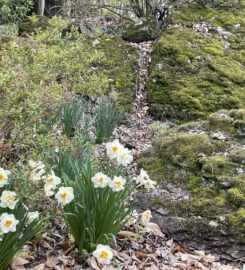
(202, 162)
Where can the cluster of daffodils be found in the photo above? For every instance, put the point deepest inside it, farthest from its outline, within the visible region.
(101, 180)
(116, 151)
(8, 200)
(143, 179)
(143, 218)
(64, 195)
(51, 183)
(36, 171)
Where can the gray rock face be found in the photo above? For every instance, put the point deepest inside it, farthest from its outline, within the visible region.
(200, 198)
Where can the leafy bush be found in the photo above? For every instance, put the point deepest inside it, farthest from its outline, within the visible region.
(17, 224)
(107, 117)
(14, 10)
(36, 75)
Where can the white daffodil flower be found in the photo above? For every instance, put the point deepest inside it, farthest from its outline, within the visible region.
(52, 180)
(142, 178)
(117, 183)
(64, 195)
(124, 157)
(32, 216)
(4, 177)
(149, 184)
(113, 149)
(8, 199)
(133, 218)
(146, 217)
(100, 180)
(8, 223)
(48, 190)
(37, 172)
(103, 254)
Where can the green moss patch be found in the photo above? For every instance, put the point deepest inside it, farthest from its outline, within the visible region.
(192, 74)
(120, 65)
(210, 163)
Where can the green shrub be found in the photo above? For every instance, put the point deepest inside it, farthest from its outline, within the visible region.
(14, 10)
(37, 75)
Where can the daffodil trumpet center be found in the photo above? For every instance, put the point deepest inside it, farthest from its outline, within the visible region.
(104, 255)
(10, 198)
(63, 195)
(114, 149)
(8, 223)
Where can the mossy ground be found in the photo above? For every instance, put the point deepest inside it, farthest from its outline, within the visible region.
(193, 74)
(212, 170)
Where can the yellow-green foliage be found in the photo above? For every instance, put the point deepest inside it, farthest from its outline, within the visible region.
(211, 170)
(39, 71)
(192, 74)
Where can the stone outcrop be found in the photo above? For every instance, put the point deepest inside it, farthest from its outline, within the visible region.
(200, 168)
(198, 64)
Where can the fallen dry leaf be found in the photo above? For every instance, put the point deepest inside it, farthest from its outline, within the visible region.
(126, 234)
(154, 229)
(21, 260)
(93, 263)
(41, 266)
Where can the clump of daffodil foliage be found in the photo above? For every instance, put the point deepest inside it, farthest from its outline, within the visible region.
(18, 224)
(40, 71)
(93, 196)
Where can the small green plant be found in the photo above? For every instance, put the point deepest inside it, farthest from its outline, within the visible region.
(17, 224)
(71, 115)
(158, 128)
(107, 117)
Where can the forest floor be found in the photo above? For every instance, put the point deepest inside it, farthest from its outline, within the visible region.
(136, 248)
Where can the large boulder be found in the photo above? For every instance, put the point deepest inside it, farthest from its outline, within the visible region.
(145, 29)
(200, 169)
(198, 64)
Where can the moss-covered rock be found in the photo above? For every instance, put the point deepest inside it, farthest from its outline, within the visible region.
(144, 30)
(193, 74)
(120, 66)
(200, 168)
